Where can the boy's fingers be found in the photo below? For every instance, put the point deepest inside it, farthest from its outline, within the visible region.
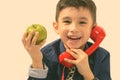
(69, 61)
(81, 52)
(29, 38)
(35, 38)
(24, 38)
(78, 51)
(72, 54)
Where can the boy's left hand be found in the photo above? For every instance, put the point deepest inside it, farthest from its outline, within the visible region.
(81, 62)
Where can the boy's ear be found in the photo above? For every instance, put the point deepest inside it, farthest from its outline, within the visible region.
(95, 24)
(55, 26)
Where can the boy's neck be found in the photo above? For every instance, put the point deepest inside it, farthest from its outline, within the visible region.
(66, 47)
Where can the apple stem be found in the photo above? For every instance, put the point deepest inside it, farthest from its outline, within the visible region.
(34, 26)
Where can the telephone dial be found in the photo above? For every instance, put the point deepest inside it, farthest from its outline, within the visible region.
(97, 35)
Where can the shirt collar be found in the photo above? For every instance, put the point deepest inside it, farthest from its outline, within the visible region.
(62, 48)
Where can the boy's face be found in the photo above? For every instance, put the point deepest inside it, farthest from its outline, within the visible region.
(74, 26)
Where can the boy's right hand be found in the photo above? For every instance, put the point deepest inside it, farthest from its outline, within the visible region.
(29, 43)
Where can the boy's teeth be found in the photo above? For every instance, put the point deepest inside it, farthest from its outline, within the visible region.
(73, 38)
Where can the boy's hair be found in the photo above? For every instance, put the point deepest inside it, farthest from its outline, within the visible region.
(89, 4)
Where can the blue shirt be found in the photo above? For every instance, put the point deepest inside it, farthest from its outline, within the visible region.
(99, 62)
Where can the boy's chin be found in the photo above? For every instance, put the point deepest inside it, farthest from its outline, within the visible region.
(73, 47)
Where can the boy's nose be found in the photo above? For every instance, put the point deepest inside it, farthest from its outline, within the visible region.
(74, 28)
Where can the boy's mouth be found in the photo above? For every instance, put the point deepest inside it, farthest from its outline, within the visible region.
(73, 38)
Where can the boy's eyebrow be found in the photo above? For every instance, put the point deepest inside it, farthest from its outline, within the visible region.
(81, 18)
(65, 18)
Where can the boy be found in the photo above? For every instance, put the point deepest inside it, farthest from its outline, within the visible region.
(75, 20)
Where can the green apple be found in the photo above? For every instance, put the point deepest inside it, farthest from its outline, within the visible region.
(38, 28)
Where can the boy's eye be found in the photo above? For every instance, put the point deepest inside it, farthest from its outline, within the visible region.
(66, 21)
(83, 22)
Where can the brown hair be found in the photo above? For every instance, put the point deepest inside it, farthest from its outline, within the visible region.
(89, 4)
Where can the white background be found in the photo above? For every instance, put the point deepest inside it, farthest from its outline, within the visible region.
(16, 15)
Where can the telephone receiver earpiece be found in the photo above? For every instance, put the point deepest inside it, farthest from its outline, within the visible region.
(97, 35)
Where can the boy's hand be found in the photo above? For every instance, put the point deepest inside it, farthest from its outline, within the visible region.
(81, 62)
(29, 42)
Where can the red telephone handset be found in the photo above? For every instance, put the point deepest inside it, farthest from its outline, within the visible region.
(97, 35)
